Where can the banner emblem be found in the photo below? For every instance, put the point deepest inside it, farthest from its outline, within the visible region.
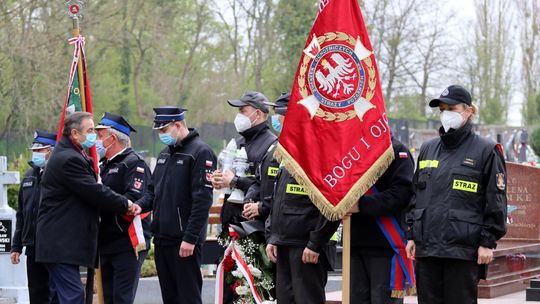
(336, 65)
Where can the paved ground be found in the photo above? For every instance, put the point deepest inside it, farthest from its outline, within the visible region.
(149, 293)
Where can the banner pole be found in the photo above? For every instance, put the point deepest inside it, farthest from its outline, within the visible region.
(346, 262)
(80, 71)
(74, 11)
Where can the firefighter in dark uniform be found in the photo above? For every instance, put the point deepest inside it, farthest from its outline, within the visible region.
(181, 196)
(25, 229)
(126, 173)
(256, 138)
(371, 252)
(300, 240)
(260, 193)
(458, 210)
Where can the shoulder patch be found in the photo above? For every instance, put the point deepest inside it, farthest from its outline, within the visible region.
(403, 155)
(140, 169)
(501, 184)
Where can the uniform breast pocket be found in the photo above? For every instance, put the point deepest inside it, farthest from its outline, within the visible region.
(297, 219)
(465, 187)
(464, 227)
(423, 178)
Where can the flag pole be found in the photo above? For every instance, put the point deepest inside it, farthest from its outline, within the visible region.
(346, 261)
(80, 71)
(75, 8)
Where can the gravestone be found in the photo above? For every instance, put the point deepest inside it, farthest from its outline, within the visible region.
(13, 277)
(517, 257)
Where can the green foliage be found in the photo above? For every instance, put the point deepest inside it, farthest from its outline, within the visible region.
(148, 268)
(531, 109)
(534, 140)
(295, 20)
(405, 106)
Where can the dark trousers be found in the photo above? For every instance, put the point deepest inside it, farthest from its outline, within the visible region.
(370, 280)
(38, 278)
(297, 282)
(65, 283)
(446, 281)
(120, 275)
(180, 279)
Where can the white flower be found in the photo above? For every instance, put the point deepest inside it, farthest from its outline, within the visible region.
(237, 273)
(242, 290)
(255, 271)
(269, 302)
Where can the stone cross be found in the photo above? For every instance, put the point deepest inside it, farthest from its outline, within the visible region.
(6, 178)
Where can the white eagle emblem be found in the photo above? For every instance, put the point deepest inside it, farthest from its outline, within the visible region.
(337, 76)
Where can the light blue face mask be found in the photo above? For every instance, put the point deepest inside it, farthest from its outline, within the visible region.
(38, 158)
(100, 149)
(167, 139)
(276, 124)
(89, 141)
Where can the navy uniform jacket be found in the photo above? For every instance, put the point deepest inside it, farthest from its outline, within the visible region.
(71, 199)
(181, 194)
(294, 220)
(29, 192)
(394, 191)
(126, 174)
(459, 200)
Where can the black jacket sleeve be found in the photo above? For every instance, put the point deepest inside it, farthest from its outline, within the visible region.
(412, 203)
(201, 187)
(319, 237)
(17, 236)
(397, 181)
(146, 202)
(244, 183)
(495, 208)
(80, 181)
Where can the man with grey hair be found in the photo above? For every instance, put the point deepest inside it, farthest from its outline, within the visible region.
(68, 217)
(125, 172)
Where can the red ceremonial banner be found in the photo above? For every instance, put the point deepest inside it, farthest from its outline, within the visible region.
(336, 139)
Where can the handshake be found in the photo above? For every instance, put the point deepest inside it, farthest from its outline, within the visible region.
(133, 209)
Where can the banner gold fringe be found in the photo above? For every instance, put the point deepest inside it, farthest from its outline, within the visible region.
(331, 212)
(398, 294)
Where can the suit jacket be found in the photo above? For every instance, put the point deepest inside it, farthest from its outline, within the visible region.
(71, 199)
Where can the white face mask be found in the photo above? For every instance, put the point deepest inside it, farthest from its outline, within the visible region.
(451, 120)
(242, 122)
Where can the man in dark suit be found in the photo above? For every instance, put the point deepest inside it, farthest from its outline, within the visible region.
(68, 217)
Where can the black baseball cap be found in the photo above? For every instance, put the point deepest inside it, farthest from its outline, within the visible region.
(452, 95)
(251, 98)
(281, 103)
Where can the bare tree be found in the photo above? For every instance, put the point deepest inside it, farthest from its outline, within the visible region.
(432, 50)
(489, 70)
